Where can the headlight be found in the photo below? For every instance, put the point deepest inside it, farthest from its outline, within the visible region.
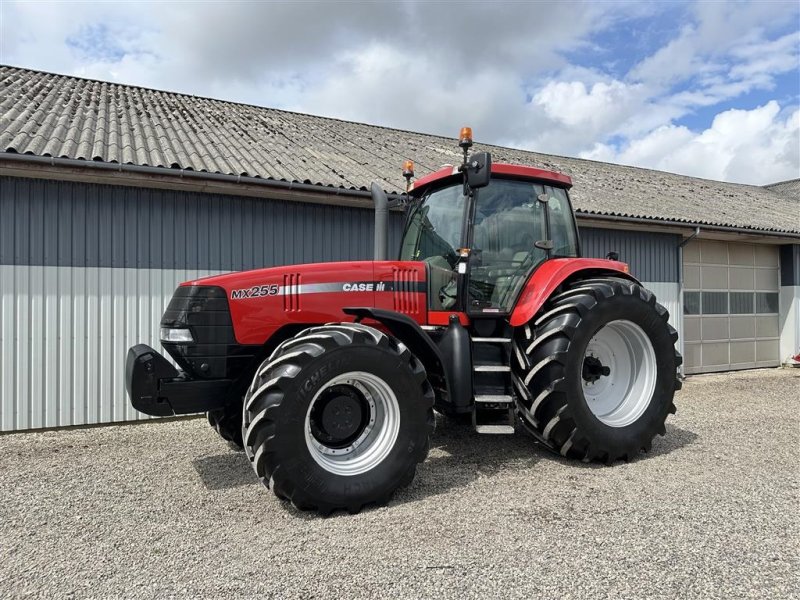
(176, 335)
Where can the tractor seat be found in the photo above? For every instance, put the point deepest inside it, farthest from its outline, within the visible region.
(441, 276)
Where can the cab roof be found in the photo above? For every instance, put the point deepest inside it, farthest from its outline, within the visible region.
(502, 169)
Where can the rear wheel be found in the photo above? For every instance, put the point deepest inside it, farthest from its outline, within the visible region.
(596, 372)
(338, 417)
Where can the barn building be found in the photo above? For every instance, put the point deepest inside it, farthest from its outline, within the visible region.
(111, 195)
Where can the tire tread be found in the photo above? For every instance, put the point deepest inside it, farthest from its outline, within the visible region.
(269, 391)
(546, 341)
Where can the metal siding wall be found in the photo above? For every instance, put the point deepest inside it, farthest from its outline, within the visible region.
(668, 295)
(64, 332)
(652, 256)
(789, 321)
(396, 222)
(790, 301)
(50, 223)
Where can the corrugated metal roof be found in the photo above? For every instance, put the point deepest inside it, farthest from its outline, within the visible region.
(44, 114)
(789, 189)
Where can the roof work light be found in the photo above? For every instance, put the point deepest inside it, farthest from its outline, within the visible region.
(465, 137)
(408, 173)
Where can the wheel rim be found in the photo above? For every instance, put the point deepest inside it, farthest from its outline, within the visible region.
(337, 444)
(619, 373)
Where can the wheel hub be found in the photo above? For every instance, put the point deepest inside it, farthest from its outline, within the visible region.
(352, 423)
(339, 416)
(593, 369)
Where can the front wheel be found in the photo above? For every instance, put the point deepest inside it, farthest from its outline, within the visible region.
(596, 373)
(338, 417)
(227, 422)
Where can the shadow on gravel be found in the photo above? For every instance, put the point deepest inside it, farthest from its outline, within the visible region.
(675, 439)
(225, 471)
(469, 456)
(460, 456)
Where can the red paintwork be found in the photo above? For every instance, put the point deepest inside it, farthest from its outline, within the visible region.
(549, 276)
(256, 319)
(558, 179)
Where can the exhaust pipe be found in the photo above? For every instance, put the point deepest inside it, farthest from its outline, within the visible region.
(381, 202)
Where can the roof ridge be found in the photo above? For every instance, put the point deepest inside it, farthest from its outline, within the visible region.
(769, 185)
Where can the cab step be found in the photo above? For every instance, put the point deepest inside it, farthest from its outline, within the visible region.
(493, 408)
(493, 418)
(495, 429)
(494, 399)
(492, 368)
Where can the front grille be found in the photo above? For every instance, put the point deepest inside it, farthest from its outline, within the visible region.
(214, 353)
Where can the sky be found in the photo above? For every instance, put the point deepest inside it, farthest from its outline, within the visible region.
(709, 89)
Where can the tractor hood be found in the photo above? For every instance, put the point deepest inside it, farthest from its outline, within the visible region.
(317, 271)
(262, 301)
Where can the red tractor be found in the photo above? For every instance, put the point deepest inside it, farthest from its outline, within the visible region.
(328, 374)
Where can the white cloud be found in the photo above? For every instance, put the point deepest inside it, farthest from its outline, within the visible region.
(756, 146)
(600, 108)
(717, 34)
(503, 69)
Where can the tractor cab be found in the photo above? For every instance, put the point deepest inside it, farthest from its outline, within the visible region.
(481, 243)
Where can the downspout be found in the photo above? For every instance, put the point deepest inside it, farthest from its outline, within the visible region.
(681, 245)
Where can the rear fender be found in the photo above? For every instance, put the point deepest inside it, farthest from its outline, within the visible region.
(554, 273)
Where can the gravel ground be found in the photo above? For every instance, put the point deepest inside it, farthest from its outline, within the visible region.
(166, 509)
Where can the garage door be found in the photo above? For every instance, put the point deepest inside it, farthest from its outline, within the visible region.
(730, 306)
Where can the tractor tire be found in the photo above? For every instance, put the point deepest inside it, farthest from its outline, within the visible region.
(227, 422)
(338, 417)
(596, 370)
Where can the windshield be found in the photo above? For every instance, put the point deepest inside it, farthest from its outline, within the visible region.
(433, 229)
(433, 235)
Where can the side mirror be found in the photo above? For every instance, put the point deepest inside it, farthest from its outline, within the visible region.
(478, 170)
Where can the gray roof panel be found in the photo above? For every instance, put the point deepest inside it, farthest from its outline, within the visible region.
(45, 114)
(788, 189)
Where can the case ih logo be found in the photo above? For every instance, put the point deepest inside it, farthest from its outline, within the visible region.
(364, 286)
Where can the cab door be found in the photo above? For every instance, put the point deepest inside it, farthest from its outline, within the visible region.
(517, 225)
